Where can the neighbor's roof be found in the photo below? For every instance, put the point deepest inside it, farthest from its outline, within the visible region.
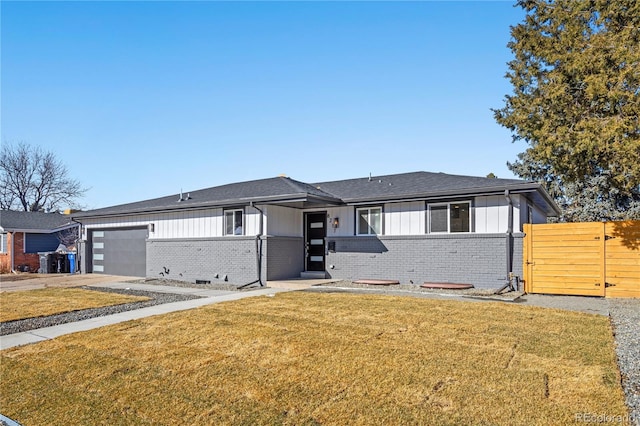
(37, 222)
(287, 191)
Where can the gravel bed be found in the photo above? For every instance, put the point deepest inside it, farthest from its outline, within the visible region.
(187, 284)
(414, 288)
(19, 326)
(625, 318)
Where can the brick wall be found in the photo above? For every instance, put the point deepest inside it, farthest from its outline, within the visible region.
(203, 259)
(479, 259)
(285, 257)
(20, 258)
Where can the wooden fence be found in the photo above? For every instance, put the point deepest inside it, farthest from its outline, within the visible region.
(587, 259)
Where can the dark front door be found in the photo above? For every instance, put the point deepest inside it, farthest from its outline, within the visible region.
(315, 225)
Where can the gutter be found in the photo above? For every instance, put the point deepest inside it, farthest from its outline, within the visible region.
(447, 194)
(291, 198)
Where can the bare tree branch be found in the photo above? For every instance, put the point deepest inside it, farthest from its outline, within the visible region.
(34, 180)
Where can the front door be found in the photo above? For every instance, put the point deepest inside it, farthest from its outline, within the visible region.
(315, 226)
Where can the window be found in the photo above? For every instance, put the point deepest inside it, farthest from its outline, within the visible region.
(449, 217)
(3, 243)
(233, 222)
(369, 221)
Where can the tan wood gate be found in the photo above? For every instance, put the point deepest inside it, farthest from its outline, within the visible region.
(586, 258)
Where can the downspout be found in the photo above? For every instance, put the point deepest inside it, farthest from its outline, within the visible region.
(258, 250)
(12, 248)
(509, 237)
(509, 245)
(78, 259)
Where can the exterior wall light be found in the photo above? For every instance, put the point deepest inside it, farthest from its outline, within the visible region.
(336, 222)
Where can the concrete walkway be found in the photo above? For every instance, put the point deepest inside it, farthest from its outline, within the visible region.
(208, 297)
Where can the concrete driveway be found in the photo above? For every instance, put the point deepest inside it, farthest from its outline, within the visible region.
(26, 281)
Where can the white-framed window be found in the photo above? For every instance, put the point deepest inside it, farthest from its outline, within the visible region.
(3, 243)
(369, 221)
(233, 222)
(449, 217)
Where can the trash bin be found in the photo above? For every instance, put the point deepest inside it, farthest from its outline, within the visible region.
(44, 262)
(60, 263)
(72, 262)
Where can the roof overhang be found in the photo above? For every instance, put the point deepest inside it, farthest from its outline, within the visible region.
(290, 200)
(534, 191)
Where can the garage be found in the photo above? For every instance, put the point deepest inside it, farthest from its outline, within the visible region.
(119, 251)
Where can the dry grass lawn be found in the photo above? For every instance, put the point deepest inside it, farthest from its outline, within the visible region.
(49, 301)
(334, 359)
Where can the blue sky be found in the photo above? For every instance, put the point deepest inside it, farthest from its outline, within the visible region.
(142, 99)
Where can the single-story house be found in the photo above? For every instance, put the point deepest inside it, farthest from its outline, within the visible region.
(411, 227)
(24, 234)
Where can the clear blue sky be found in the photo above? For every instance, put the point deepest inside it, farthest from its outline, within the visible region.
(142, 99)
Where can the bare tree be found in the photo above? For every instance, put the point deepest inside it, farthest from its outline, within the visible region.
(33, 180)
(68, 237)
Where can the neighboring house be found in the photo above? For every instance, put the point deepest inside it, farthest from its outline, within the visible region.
(412, 227)
(24, 234)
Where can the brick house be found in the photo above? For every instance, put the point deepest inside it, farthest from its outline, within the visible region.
(24, 234)
(411, 227)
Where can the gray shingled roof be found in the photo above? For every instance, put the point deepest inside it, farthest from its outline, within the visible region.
(284, 190)
(278, 189)
(32, 221)
(415, 185)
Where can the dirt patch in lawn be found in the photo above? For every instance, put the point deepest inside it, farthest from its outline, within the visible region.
(50, 301)
(306, 358)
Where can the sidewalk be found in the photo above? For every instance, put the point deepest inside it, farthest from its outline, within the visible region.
(208, 297)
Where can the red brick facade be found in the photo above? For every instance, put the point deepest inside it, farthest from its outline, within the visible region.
(15, 243)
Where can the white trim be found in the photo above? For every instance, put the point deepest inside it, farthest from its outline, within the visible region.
(42, 231)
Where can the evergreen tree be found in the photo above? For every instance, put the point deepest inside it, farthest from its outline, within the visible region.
(576, 103)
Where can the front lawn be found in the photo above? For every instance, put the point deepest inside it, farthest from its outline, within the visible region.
(50, 301)
(336, 359)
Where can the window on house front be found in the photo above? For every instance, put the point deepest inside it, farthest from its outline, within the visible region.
(233, 224)
(3, 243)
(449, 217)
(369, 221)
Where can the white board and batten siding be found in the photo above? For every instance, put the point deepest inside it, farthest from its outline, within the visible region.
(490, 215)
(407, 218)
(283, 221)
(184, 224)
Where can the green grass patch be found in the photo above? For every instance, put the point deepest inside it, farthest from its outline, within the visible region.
(334, 359)
(50, 301)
